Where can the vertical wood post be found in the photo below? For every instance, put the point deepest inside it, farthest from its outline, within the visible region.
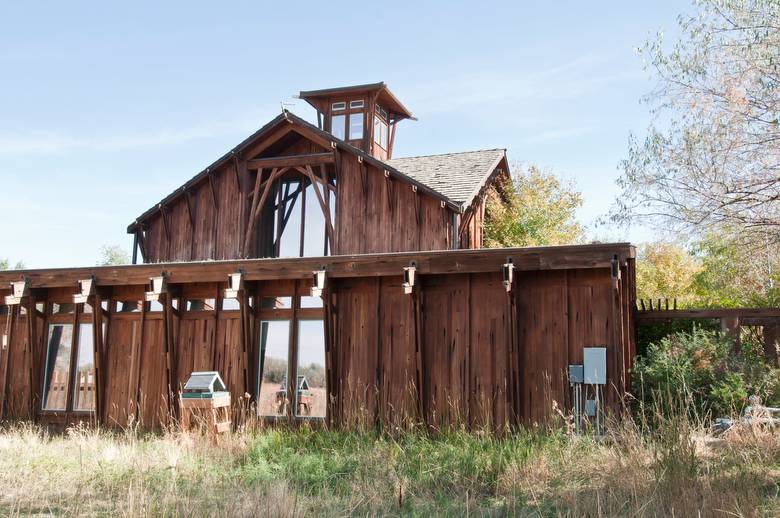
(9, 331)
(292, 357)
(97, 351)
(32, 338)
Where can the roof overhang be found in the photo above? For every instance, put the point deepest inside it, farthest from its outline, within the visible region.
(384, 96)
(366, 265)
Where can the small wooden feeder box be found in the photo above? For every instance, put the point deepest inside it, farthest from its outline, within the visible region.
(205, 396)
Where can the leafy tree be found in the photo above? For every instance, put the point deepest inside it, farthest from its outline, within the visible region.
(714, 271)
(533, 209)
(734, 275)
(113, 255)
(665, 269)
(6, 265)
(711, 159)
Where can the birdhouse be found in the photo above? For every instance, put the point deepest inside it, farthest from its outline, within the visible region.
(204, 385)
(205, 400)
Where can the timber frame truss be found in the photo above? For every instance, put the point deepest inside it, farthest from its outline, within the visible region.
(311, 170)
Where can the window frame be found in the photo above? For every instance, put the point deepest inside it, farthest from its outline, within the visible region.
(362, 119)
(351, 107)
(75, 319)
(293, 315)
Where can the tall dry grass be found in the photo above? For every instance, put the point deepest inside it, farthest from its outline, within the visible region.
(654, 465)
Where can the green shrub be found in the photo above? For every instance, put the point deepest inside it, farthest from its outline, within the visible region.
(702, 371)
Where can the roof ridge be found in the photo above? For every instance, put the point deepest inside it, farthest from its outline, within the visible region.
(450, 153)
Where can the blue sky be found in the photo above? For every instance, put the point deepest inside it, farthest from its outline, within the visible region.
(105, 109)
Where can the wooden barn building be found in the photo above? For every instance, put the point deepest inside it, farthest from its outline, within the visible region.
(310, 262)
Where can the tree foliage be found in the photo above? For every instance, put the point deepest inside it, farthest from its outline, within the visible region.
(533, 209)
(6, 265)
(665, 269)
(714, 271)
(711, 159)
(113, 255)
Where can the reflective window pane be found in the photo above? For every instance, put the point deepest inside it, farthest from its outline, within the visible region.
(338, 126)
(311, 392)
(55, 394)
(274, 349)
(276, 303)
(355, 126)
(230, 305)
(84, 395)
(311, 302)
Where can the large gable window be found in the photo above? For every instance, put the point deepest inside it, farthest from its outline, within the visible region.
(295, 220)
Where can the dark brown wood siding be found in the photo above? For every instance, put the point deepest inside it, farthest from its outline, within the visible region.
(374, 214)
(459, 350)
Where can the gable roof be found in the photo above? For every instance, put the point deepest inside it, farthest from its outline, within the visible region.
(457, 176)
(429, 174)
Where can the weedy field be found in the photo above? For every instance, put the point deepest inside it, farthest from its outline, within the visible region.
(673, 470)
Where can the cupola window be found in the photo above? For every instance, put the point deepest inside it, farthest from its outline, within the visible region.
(356, 126)
(338, 126)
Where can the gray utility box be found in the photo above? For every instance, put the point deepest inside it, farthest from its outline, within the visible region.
(595, 365)
(575, 374)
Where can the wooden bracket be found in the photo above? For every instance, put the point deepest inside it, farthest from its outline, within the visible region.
(19, 289)
(235, 170)
(235, 285)
(86, 289)
(389, 190)
(159, 286)
(410, 274)
(508, 271)
(318, 283)
(213, 190)
(190, 211)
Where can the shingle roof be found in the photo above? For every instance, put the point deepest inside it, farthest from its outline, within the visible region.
(456, 176)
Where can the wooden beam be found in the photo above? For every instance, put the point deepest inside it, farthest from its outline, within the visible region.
(654, 315)
(213, 187)
(32, 339)
(363, 265)
(258, 207)
(291, 161)
(190, 211)
(97, 345)
(6, 356)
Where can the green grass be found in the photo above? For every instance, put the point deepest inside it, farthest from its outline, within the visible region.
(301, 472)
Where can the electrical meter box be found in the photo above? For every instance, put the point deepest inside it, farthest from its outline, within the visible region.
(575, 374)
(595, 365)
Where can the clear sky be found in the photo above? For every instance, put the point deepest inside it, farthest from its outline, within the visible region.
(105, 109)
